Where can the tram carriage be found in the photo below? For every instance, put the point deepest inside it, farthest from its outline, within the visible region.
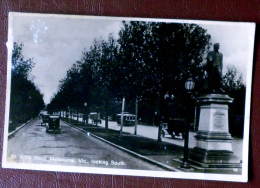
(128, 119)
(95, 117)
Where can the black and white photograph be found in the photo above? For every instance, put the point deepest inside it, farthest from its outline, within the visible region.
(128, 96)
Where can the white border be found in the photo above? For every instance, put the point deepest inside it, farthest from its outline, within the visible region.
(165, 174)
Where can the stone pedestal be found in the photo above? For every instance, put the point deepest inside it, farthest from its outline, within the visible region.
(214, 143)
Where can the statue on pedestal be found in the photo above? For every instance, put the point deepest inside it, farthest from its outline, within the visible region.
(213, 149)
(214, 69)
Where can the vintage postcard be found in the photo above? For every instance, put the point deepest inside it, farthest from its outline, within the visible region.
(128, 96)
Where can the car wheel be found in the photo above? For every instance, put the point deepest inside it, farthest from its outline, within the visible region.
(47, 130)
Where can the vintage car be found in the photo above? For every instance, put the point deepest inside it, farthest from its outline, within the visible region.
(53, 123)
(95, 117)
(174, 127)
(95, 121)
(44, 119)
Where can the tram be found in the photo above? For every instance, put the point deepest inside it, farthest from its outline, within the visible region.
(95, 117)
(128, 119)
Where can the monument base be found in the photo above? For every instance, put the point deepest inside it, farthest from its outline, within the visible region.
(214, 158)
(214, 143)
(198, 167)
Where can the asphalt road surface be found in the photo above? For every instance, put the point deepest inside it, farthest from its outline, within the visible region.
(71, 147)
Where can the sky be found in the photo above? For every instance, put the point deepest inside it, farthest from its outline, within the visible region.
(55, 42)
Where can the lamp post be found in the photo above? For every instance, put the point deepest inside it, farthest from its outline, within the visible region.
(86, 118)
(189, 86)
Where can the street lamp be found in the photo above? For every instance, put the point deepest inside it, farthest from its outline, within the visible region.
(85, 119)
(189, 86)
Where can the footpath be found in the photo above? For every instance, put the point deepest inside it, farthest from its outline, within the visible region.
(163, 154)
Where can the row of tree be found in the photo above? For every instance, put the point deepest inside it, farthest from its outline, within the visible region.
(150, 62)
(26, 99)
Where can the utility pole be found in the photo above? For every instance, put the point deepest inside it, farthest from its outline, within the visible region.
(122, 116)
(136, 114)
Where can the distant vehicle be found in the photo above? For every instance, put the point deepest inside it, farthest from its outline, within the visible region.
(128, 119)
(53, 123)
(95, 117)
(80, 115)
(44, 119)
(43, 112)
(164, 131)
(174, 127)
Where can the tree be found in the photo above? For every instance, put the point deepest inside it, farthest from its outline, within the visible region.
(103, 59)
(74, 90)
(157, 58)
(235, 88)
(149, 61)
(232, 80)
(26, 99)
(20, 66)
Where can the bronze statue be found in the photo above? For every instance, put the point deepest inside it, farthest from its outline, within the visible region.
(214, 69)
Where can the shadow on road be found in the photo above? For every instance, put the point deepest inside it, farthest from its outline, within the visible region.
(139, 144)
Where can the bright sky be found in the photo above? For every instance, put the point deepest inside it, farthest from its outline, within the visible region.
(56, 42)
(236, 44)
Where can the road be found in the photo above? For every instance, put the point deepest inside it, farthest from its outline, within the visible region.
(72, 147)
(152, 132)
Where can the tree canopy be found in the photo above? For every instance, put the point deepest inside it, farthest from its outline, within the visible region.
(26, 99)
(158, 58)
(150, 61)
